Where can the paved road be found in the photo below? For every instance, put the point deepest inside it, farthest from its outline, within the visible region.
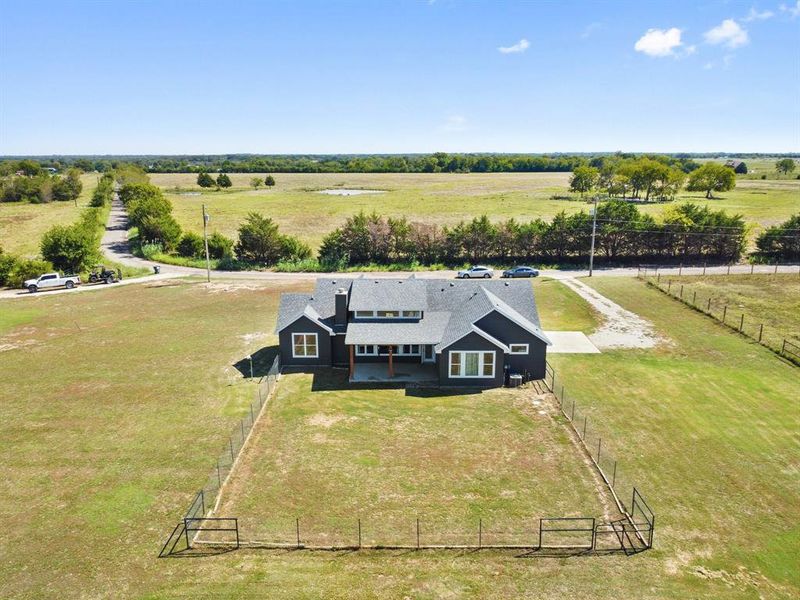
(115, 246)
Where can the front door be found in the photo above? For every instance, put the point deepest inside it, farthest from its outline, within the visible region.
(427, 353)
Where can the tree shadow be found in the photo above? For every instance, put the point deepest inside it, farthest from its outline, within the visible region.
(261, 361)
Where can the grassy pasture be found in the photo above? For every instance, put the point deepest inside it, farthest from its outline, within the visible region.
(330, 454)
(442, 198)
(773, 300)
(108, 430)
(22, 224)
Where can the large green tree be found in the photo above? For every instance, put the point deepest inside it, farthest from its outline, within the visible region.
(205, 180)
(785, 166)
(712, 177)
(259, 240)
(583, 179)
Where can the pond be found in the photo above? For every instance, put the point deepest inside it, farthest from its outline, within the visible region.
(349, 192)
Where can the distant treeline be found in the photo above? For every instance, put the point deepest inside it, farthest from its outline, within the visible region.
(439, 162)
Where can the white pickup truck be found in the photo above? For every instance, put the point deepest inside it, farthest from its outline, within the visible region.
(51, 280)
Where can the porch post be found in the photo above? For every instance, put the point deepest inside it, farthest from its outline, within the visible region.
(391, 363)
(352, 361)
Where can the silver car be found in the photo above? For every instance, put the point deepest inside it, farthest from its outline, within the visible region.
(476, 272)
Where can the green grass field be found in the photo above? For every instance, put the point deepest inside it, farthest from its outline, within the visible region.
(773, 300)
(330, 454)
(115, 404)
(443, 198)
(22, 225)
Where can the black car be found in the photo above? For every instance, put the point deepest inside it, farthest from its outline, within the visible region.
(521, 272)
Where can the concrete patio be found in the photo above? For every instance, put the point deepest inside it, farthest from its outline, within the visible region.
(403, 373)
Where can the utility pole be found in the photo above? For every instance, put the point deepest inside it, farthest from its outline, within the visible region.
(205, 242)
(594, 231)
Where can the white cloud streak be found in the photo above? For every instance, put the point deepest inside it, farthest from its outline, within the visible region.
(755, 15)
(454, 123)
(659, 42)
(520, 46)
(728, 33)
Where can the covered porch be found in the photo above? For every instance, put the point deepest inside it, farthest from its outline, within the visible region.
(401, 373)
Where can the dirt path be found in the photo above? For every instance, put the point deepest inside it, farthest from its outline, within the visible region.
(621, 328)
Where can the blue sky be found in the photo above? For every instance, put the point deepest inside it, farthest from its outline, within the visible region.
(359, 77)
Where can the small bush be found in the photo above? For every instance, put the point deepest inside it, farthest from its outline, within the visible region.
(293, 249)
(162, 229)
(191, 245)
(763, 177)
(224, 181)
(269, 181)
(220, 246)
(150, 250)
(205, 180)
(7, 264)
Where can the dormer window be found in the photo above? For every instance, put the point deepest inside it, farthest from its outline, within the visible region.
(388, 314)
(412, 314)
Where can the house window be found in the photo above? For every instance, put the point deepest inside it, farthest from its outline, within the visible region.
(472, 364)
(410, 349)
(518, 348)
(411, 314)
(304, 345)
(365, 350)
(388, 314)
(365, 314)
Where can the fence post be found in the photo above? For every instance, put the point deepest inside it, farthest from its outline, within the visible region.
(260, 402)
(783, 348)
(741, 323)
(219, 477)
(704, 268)
(708, 308)
(752, 266)
(562, 393)
(252, 418)
(417, 533)
(658, 277)
(186, 531)
(724, 313)
(694, 299)
(572, 418)
(669, 285)
(729, 269)
(680, 269)
(203, 503)
(242, 424)
(480, 533)
(776, 268)
(599, 441)
(359, 534)
(540, 533)
(230, 441)
(614, 476)
(760, 331)
(681, 291)
(297, 529)
(584, 426)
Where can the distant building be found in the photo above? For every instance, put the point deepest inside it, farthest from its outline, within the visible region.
(738, 166)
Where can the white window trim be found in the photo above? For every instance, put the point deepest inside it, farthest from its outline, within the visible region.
(364, 314)
(512, 351)
(316, 345)
(373, 353)
(463, 364)
(401, 314)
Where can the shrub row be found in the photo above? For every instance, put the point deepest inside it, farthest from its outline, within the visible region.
(689, 233)
(780, 243)
(41, 187)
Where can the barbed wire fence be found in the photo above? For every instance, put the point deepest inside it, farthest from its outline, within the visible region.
(721, 311)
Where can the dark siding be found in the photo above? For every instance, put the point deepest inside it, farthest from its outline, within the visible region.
(471, 341)
(509, 332)
(305, 325)
(341, 353)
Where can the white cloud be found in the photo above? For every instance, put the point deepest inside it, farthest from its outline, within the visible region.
(520, 46)
(454, 123)
(754, 15)
(708, 66)
(728, 33)
(659, 42)
(793, 10)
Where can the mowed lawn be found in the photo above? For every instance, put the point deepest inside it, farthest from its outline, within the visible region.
(108, 430)
(773, 300)
(22, 224)
(330, 454)
(444, 198)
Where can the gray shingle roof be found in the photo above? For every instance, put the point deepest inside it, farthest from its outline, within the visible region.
(450, 307)
(388, 294)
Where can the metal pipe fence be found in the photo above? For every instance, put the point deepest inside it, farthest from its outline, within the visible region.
(721, 311)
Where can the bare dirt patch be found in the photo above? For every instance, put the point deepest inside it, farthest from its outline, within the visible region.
(621, 328)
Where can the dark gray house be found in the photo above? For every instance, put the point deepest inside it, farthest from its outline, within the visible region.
(738, 166)
(454, 333)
